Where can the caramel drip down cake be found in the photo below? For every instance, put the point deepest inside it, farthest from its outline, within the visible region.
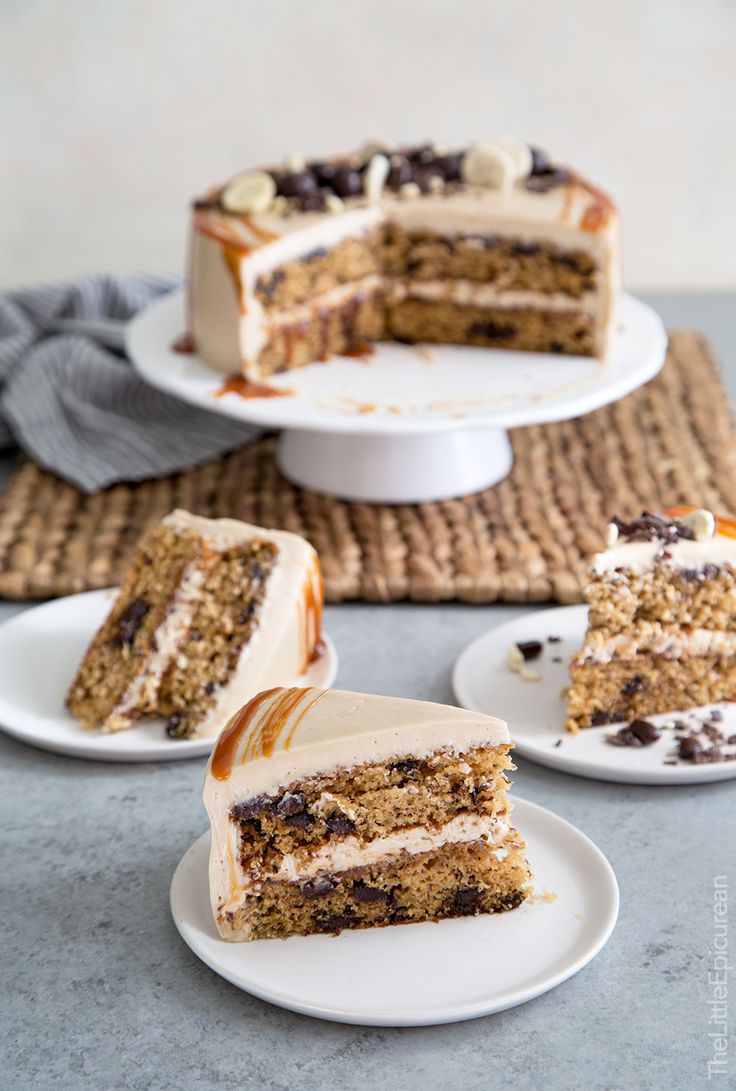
(490, 245)
(332, 810)
(209, 612)
(661, 630)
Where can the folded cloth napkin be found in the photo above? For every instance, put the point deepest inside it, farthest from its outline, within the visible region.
(73, 403)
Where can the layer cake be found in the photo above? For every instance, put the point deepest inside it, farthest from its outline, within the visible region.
(333, 810)
(488, 245)
(209, 612)
(662, 619)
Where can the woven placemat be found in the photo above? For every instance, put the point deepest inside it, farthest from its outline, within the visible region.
(525, 540)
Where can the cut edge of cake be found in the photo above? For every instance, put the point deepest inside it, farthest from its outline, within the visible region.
(333, 810)
(209, 612)
(661, 633)
(491, 245)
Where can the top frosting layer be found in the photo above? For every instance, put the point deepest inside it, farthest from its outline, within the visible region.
(284, 734)
(684, 537)
(504, 179)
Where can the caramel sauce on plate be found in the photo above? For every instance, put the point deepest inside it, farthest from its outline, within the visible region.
(246, 388)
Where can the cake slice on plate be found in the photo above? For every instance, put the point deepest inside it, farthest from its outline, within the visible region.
(491, 244)
(661, 631)
(333, 810)
(209, 612)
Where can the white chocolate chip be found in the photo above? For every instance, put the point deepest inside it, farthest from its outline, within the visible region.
(295, 163)
(701, 522)
(409, 190)
(529, 675)
(515, 660)
(519, 151)
(611, 535)
(436, 183)
(374, 178)
(489, 165)
(250, 192)
(333, 203)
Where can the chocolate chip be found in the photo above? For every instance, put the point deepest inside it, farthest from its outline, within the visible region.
(466, 900)
(290, 804)
(408, 765)
(400, 172)
(246, 613)
(323, 172)
(644, 731)
(530, 649)
(173, 725)
(493, 331)
(130, 622)
(347, 182)
(268, 285)
(554, 639)
(634, 685)
(318, 887)
(526, 249)
(688, 748)
(420, 153)
(251, 808)
(340, 824)
(336, 923)
(651, 528)
(450, 166)
(209, 688)
(369, 895)
(540, 160)
(716, 715)
(298, 184)
(256, 571)
(556, 659)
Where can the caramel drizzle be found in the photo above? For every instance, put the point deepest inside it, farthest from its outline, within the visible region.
(246, 388)
(223, 756)
(262, 742)
(310, 704)
(312, 606)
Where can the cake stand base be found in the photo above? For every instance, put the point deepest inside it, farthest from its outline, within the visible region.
(396, 469)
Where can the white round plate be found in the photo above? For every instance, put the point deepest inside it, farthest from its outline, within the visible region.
(422, 974)
(535, 711)
(404, 389)
(40, 650)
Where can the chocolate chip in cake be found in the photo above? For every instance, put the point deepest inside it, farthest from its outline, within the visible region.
(407, 765)
(400, 172)
(290, 804)
(340, 824)
(335, 923)
(319, 887)
(251, 808)
(449, 166)
(130, 622)
(634, 685)
(646, 732)
(466, 900)
(246, 613)
(347, 182)
(301, 821)
(173, 725)
(209, 688)
(530, 649)
(369, 895)
(494, 331)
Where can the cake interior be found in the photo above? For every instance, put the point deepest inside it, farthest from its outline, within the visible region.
(393, 283)
(167, 646)
(394, 842)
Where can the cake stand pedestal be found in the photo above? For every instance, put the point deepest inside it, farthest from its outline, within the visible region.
(410, 423)
(396, 469)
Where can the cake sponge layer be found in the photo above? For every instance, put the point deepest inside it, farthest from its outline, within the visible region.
(451, 881)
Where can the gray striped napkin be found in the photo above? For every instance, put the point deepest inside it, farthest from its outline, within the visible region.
(73, 403)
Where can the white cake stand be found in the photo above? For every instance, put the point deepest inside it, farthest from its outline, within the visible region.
(409, 423)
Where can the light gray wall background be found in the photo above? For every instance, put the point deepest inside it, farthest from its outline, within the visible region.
(113, 114)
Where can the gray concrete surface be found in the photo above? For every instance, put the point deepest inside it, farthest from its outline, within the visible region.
(98, 991)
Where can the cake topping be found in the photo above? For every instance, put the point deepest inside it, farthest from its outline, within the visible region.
(652, 528)
(702, 523)
(374, 178)
(637, 733)
(498, 163)
(250, 192)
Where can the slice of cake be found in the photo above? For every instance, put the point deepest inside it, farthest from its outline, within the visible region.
(488, 245)
(209, 612)
(662, 622)
(334, 810)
